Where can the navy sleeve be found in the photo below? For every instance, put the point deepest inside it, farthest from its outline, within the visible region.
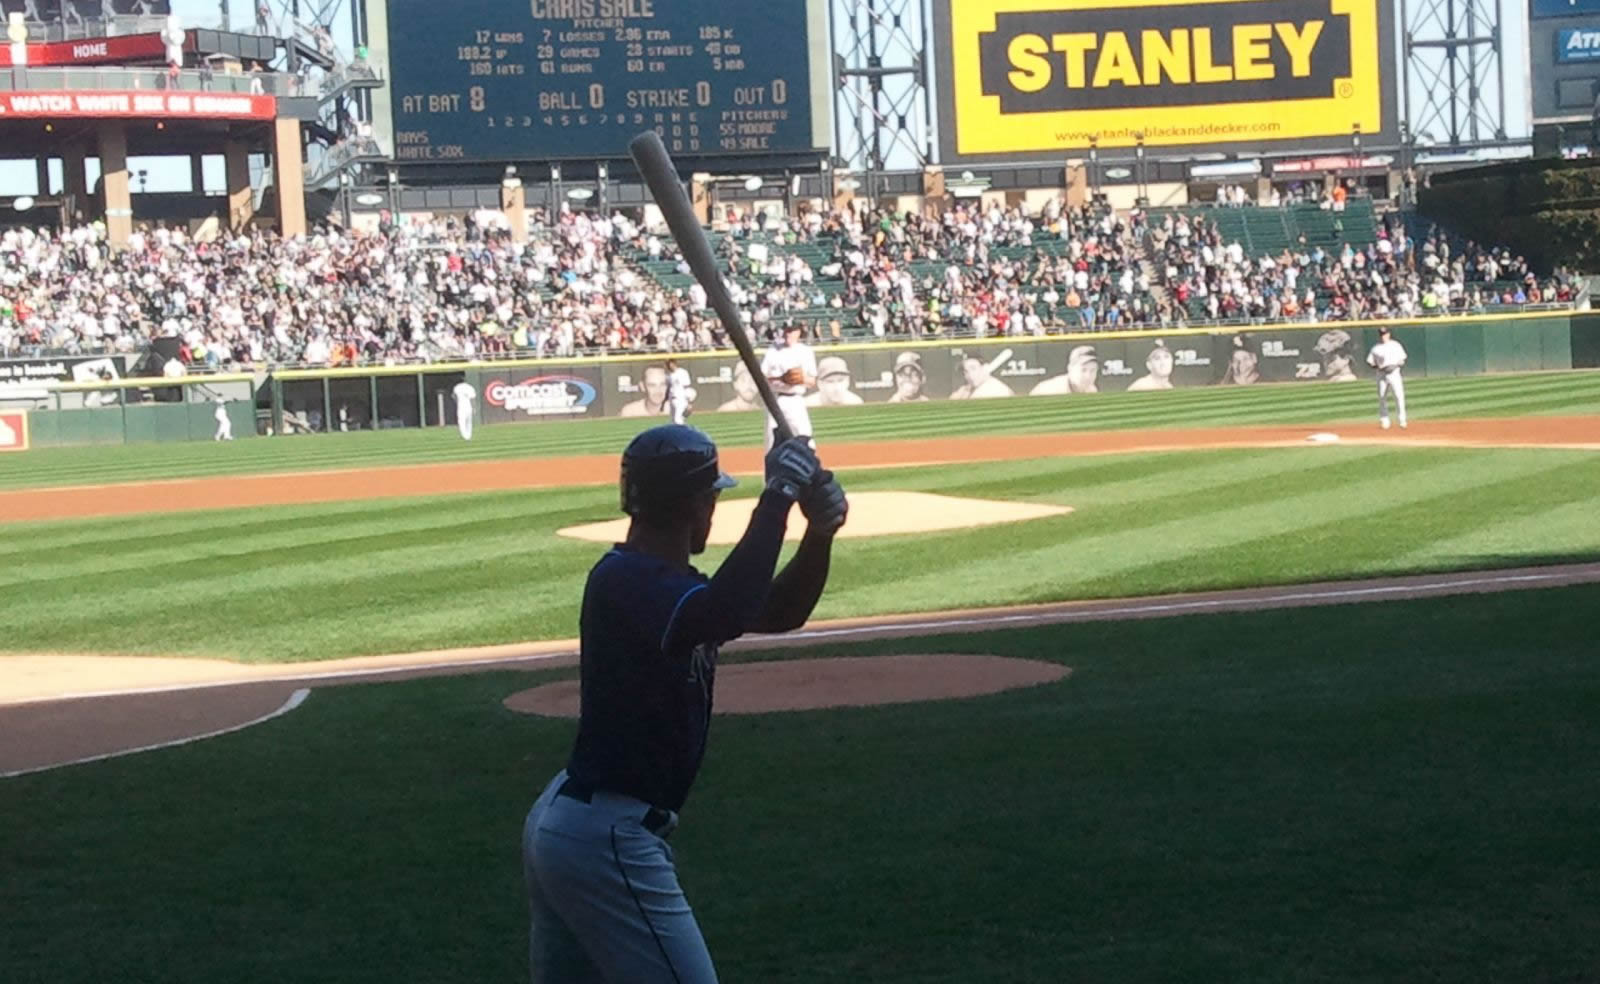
(733, 600)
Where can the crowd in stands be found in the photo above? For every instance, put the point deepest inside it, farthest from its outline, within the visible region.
(429, 292)
(972, 271)
(463, 289)
(1392, 277)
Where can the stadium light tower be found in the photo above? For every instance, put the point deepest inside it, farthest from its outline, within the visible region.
(882, 114)
(1453, 78)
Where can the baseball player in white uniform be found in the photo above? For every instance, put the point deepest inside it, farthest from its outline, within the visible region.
(1387, 357)
(464, 394)
(680, 391)
(224, 425)
(791, 369)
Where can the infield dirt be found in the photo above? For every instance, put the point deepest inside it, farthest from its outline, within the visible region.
(348, 485)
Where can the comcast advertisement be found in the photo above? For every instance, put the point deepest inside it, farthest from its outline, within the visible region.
(1030, 78)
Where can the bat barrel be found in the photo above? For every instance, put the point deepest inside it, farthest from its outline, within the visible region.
(655, 165)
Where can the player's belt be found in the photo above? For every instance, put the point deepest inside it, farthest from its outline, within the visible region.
(655, 819)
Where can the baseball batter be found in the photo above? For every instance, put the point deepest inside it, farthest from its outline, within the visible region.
(604, 899)
(1387, 357)
(791, 368)
(465, 394)
(680, 391)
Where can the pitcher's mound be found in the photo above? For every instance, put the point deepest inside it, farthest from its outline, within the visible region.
(808, 684)
(871, 514)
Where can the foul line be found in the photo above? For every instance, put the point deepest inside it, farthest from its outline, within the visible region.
(372, 671)
(295, 700)
(1442, 585)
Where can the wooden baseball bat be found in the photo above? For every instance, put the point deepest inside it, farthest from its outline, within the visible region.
(655, 166)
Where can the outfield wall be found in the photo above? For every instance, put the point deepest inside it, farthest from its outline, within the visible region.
(930, 369)
(136, 411)
(311, 401)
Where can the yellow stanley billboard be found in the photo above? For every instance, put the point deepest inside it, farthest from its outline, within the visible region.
(1028, 77)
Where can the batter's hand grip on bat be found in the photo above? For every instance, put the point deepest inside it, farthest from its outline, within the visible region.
(656, 167)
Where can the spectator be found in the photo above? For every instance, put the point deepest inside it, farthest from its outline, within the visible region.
(446, 289)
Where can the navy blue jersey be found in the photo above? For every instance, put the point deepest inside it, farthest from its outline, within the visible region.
(646, 684)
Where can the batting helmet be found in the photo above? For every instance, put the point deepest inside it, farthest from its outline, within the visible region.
(664, 467)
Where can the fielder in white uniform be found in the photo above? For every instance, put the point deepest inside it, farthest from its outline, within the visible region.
(791, 369)
(680, 391)
(224, 425)
(464, 394)
(1387, 357)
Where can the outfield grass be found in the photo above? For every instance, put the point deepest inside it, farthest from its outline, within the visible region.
(322, 581)
(312, 582)
(1395, 792)
(1477, 396)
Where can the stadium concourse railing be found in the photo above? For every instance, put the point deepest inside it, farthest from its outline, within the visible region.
(308, 401)
(99, 27)
(152, 79)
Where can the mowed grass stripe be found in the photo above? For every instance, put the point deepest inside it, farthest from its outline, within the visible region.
(1510, 528)
(1573, 392)
(1021, 562)
(212, 548)
(309, 582)
(1097, 480)
(1090, 563)
(1506, 403)
(230, 528)
(1387, 532)
(478, 527)
(299, 609)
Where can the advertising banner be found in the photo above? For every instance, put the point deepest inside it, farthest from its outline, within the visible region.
(13, 430)
(101, 104)
(121, 50)
(1577, 44)
(22, 379)
(539, 393)
(1037, 77)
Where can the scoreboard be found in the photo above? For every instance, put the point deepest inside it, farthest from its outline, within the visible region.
(488, 80)
(1563, 60)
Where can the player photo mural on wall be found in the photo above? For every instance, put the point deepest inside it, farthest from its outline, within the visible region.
(1244, 364)
(909, 379)
(654, 399)
(833, 385)
(1082, 375)
(1158, 370)
(980, 382)
(745, 396)
(1338, 353)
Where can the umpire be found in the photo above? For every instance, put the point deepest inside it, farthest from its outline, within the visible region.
(603, 893)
